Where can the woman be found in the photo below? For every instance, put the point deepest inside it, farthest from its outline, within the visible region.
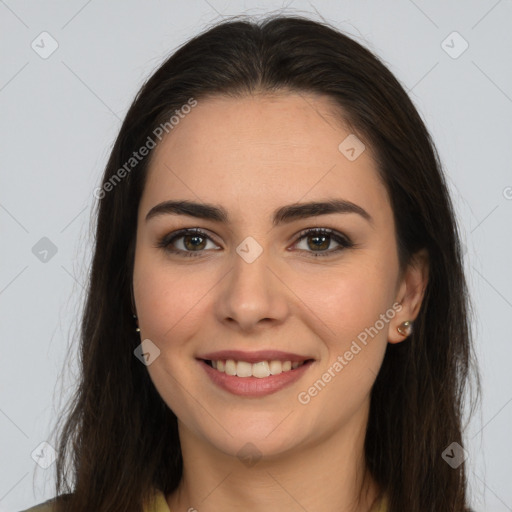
(277, 315)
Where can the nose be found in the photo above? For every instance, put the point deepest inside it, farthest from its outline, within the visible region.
(252, 295)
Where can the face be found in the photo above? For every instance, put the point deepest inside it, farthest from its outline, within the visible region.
(300, 303)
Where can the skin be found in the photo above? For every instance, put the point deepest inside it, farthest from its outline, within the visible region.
(252, 156)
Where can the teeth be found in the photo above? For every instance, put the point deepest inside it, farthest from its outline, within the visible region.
(259, 370)
(230, 367)
(275, 367)
(243, 369)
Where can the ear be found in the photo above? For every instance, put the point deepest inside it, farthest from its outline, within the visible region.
(411, 290)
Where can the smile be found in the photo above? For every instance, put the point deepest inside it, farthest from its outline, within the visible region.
(257, 378)
(260, 370)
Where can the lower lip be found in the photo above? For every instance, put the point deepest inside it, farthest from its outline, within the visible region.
(253, 386)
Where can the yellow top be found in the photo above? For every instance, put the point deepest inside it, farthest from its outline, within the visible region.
(160, 505)
(381, 506)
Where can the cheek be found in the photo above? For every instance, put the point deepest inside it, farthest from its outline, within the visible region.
(351, 305)
(168, 299)
(170, 310)
(350, 299)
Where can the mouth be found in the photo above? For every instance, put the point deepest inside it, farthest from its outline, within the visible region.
(254, 374)
(260, 369)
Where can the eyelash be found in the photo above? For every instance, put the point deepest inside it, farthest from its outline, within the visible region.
(344, 242)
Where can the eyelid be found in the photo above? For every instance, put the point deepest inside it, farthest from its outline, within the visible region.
(327, 231)
(343, 241)
(165, 241)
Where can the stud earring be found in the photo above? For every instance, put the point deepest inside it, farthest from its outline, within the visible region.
(137, 329)
(405, 328)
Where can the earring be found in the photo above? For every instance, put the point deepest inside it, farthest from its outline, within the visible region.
(405, 328)
(137, 329)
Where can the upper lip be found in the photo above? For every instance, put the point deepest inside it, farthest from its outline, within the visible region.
(254, 357)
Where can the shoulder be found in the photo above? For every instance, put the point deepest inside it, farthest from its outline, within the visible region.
(382, 505)
(158, 503)
(47, 506)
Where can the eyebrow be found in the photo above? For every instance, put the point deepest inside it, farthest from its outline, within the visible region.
(282, 215)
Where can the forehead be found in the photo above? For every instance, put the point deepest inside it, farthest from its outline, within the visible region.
(262, 152)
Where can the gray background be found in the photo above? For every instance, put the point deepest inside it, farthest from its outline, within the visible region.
(59, 117)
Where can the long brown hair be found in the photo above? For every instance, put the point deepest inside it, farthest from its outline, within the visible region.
(120, 439)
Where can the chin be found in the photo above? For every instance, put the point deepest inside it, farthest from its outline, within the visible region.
(252, 437)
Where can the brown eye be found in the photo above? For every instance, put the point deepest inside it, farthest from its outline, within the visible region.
(186, 242)
(193, 242)
(319, 240)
